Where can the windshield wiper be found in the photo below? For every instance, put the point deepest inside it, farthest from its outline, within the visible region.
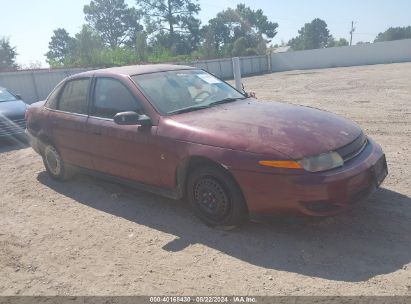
(188, 109)
(195, 108)
(225, 100)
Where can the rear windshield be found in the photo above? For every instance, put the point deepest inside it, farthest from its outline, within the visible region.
(6, 96)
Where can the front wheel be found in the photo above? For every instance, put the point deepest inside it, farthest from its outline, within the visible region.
(55, 166)
(215, 197)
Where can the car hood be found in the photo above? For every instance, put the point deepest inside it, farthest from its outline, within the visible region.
(13, 109)
(269, 128)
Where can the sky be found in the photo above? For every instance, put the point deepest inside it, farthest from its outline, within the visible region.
(29, 24)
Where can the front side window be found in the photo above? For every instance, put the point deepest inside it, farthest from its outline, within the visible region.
(174, 91)
(74, 96)
(6, 95)
(112, 97)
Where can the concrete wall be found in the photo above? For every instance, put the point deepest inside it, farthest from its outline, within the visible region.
(34, 85)
(375, 53)
(223, 68)
(37, 84)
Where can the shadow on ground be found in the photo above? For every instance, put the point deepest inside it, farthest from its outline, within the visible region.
(12, 143)
(372, 239)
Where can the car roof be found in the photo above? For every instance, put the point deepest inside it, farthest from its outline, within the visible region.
(137, 69)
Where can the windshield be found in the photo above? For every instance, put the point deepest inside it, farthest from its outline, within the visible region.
(6, 96)
(185, 90)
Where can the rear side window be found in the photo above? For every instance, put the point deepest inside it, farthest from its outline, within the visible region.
(53, 98)
(112, 97)
(74, 96)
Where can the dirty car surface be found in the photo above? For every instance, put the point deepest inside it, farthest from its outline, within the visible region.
(183, 133)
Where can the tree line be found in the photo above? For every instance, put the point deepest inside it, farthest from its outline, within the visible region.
(169, 30)
(159, 30)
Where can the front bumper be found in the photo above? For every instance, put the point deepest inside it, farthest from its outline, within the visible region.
(315, 194)
(10, 127)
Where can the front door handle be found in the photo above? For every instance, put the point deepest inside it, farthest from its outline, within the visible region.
(97, 132)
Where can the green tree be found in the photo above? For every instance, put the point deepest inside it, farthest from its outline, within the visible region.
(61, 46)
(187, 43)
(342, 42)
(217, 37)
(88, 47)
(141, 46)
(313, 35)
(7, 54)
(209, 48)
(108, 57)
(239, 47)
(172, 22)
(114, 21)
(242, 22)
(336, 43)
(394, 33)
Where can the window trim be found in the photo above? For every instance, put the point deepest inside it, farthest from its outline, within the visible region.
(93, 95)
(87, 97)
(58, 88)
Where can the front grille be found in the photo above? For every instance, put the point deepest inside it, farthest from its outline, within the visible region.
(11, 127)
(354, 148)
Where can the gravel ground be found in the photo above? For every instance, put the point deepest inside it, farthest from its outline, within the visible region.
(90, 237)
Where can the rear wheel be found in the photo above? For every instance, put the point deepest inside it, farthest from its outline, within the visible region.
(55, 165)
(215, 197)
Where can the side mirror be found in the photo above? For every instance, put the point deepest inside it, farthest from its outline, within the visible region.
(144, 120)
(132, 118)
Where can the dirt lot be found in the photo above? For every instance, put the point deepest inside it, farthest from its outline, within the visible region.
(89, 237)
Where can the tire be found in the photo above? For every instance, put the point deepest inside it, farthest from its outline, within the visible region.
(216, 198)
(54, 164)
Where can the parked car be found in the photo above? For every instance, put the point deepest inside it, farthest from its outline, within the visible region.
(12, 111)
(181, 132)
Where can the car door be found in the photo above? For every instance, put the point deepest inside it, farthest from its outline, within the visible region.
(124, 151)
(68, 122)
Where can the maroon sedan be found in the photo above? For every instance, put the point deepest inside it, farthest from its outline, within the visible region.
(183, 133)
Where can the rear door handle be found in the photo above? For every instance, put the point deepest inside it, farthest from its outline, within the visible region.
(97, 132)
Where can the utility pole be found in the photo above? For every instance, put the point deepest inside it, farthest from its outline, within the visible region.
(352, 31)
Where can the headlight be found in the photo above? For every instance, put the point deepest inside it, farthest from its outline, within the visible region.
(322, 162)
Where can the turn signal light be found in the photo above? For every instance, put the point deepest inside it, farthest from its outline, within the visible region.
(280, 164)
